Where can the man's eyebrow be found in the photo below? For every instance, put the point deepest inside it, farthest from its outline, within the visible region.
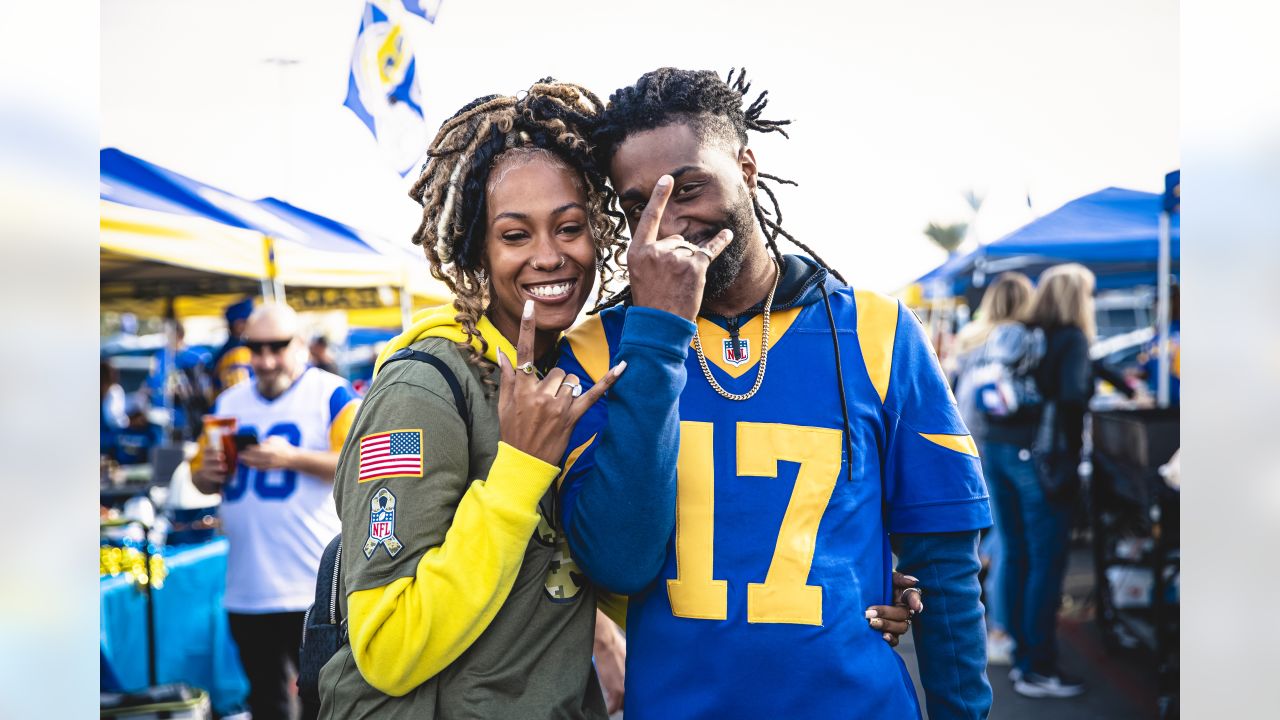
(635, 194)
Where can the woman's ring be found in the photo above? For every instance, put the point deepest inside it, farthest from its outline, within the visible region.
(902, 598)
(526, 368)
(576, 388)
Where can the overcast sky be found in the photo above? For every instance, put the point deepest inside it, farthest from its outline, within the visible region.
(899, 107)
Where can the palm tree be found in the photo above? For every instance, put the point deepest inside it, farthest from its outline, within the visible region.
(949, 236)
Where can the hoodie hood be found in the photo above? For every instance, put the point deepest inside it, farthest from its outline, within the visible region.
(441, 321)
(800, 285)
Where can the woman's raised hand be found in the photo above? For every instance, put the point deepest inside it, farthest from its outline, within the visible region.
(536, 415)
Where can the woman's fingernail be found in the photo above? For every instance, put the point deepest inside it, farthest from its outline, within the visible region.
(912, 579)
(871, 613)
(876, 623)
(664, 181)
(888, 638)
(528, 308)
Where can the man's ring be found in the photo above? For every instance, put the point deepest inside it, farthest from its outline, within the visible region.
(526, 368)
(576, 389)
(695, 249)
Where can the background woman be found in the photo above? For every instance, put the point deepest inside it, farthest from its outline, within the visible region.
(1035, 526)
(1007, 300)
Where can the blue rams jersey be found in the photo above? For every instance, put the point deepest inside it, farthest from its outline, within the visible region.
(783, 512)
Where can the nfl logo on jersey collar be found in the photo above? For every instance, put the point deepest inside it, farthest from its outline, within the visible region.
(737, 353)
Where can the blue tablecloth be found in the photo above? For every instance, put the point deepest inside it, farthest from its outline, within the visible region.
(193, 639)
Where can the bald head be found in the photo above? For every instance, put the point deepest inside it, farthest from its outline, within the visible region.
(272, 321)
(276, 351)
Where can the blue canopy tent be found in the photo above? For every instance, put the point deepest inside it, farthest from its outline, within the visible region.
(322, 233)
(1114, 232)
(165, 234)
(1127, 238)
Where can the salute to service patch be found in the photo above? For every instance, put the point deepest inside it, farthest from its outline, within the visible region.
(395, 453)
(382, 524)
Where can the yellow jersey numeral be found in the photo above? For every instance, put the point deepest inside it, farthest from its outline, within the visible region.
(784, 596)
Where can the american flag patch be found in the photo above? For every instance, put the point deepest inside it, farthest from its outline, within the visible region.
(396, 453)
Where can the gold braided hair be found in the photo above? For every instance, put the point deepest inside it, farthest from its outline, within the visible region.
(551, 117)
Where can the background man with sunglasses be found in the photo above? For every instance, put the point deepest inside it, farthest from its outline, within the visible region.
(277, 509)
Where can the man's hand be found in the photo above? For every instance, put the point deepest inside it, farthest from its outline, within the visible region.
(212, 474)
(272, 453)
(895, 620)
(669, 273)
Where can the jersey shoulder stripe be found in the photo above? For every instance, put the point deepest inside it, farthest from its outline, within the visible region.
(877, 327)
(591, 343)
(341, 396)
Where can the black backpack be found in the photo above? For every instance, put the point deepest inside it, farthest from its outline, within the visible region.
(324, 628)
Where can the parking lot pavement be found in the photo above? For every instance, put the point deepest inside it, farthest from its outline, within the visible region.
(1118, 687)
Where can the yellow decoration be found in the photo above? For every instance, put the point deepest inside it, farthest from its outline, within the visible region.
(116, 560)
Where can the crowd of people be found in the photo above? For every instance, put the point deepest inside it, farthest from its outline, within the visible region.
(725, 459)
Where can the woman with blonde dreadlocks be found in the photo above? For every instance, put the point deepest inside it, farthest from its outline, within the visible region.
(460, 594)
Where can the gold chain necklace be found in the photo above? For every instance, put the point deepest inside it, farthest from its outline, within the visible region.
(764, 348)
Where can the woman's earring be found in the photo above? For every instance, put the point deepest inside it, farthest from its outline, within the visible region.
(482, 277)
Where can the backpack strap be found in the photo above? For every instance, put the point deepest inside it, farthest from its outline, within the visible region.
(327, 591)
(459, 399)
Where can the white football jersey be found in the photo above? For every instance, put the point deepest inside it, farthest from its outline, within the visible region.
(279, 521)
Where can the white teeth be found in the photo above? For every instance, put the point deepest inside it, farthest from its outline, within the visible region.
(550, 291)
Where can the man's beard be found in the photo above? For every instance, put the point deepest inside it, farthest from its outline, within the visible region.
(272, 387)
(724, 270)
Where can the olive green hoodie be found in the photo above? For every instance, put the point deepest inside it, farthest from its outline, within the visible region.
(461, 597)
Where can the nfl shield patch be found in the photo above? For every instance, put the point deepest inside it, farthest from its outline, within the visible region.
(382, 524)
(737, 354)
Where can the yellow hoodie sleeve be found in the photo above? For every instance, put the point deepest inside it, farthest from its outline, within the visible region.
(410, 629)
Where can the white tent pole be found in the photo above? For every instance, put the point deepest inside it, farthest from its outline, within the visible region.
(1162, 313)
(169, 359)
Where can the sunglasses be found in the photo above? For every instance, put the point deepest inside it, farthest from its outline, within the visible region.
(258, 347)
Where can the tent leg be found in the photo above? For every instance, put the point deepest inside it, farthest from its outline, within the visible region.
(168, 359)
(406, 307)
(1162, 314)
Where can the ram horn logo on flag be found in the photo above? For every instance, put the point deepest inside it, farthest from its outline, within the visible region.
(425, 9)
(382, 90)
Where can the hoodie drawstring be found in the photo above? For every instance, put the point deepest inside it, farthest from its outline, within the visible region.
(844, 405)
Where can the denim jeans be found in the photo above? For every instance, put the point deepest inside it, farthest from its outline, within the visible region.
(992, 548)
(1034, 535)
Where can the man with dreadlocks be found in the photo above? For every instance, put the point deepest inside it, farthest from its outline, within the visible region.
(752, 519)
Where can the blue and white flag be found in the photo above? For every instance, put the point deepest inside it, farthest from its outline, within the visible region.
(382, 90)
(425, 9)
